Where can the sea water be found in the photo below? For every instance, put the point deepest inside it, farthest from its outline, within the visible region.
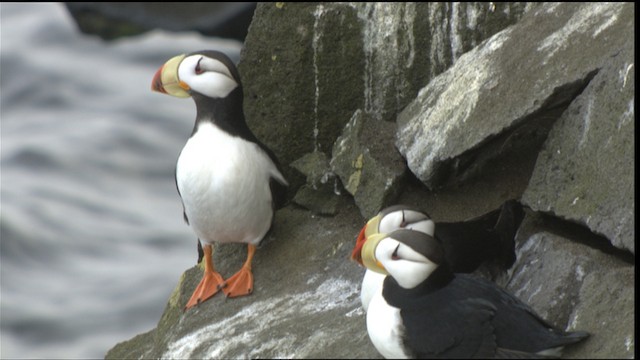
(92, 240)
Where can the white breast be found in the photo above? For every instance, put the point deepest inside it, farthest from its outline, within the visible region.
(385, 328)
(224, 184)
(371, 284)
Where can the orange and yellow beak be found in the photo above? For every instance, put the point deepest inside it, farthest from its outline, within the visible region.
(371, 227)
(356, 254)
(369, 253)
(364, 251)
(167, 81)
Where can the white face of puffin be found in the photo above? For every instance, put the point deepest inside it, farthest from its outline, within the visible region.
(408, 267)
(207, 76)
(184, 75)
(406, 219)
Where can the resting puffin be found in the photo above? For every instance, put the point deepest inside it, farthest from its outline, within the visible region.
(229, 182)
(426, 311)
(487, 239)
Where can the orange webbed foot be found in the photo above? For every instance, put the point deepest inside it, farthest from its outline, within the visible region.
(240, 284)
(209, 286)
(211, 281)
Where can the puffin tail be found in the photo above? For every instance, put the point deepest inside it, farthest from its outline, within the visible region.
(575, 336)
(567, 338)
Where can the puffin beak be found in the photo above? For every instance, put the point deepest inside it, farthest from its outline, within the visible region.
(369, 229)
(156, 83)
(166, 80)
(373, 226)
(356, 255)
(368, 253)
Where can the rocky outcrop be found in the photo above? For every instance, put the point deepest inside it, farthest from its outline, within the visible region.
(369, 166)
(333, 59)
(305, 301)
(520, 75)
(558, 272)
(584, 172)
(452, 108)
(320, 193)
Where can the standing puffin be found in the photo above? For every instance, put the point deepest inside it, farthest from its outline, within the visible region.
(487, 239)
(229, 182)
(426, 311)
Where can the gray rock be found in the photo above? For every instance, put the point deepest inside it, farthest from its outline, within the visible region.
(315, 166)
(322, 191)
(407, 44)
(488, 92)
(370, 167)
(570, 284)
(552, 297)
(606, 307)
(545, 247)
(307, 67)
(584, 172)
(292, 102)
(320, 202)
(305, 301)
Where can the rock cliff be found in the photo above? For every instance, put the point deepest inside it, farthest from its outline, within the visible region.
(453, 108)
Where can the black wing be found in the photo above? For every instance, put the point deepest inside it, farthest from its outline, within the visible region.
(186, 219)
(485, 239)
(184, 212)
(458, 329)
(517, 326)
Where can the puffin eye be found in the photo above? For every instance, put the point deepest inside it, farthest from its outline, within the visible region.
(395, 256)
(198, 69)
